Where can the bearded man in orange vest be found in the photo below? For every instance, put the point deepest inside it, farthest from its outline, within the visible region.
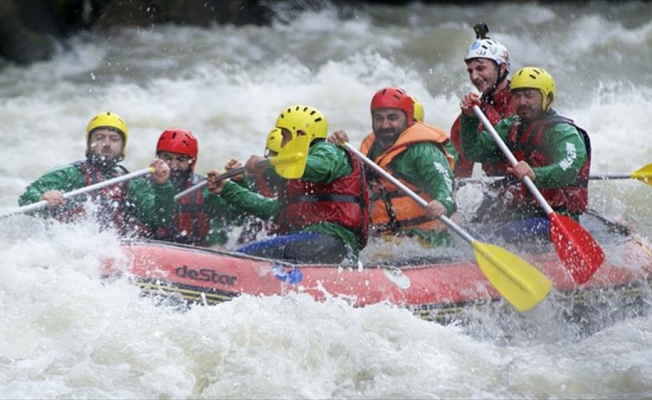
(413, 153)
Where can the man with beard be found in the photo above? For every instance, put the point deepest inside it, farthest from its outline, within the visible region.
(487, 62)
(200, 218)
(132, 208)
(415, 155)
(551, 150)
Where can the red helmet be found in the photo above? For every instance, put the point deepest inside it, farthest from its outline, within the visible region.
(392, 97)
(179, 141)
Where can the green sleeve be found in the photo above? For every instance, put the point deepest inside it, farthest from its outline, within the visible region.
(424, 165)
(326, 162)
(154, 203)
(481, 147)
(65, 179)
(450, 148)
(220, 210)
(565, 148)
(250, 202)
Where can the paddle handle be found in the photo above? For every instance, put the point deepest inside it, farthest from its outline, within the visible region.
(512, 160)
(77, 192)
(453, 226)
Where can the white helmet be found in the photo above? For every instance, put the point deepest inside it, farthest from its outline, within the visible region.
(488, 48)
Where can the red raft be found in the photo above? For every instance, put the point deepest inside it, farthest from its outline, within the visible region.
(434, 288)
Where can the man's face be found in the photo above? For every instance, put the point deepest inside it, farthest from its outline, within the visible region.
(527, 104)
(178, 163)
(106, 145)
(388, 124)
(483, 73)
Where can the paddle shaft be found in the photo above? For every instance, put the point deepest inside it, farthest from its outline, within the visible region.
(512, 160)
(77, 192)
(612, 176)
(225, 175)
(409, 192)
(489, 179)
(200, 185)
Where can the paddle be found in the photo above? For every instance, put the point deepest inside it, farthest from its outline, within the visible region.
(77, 192)
(578, 251)
(290, 163)
(643, 174)
(518, 281)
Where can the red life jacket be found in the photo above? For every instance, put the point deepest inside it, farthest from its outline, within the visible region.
(392, 210)
(528, 146)
(495, 106)
(114, 210)
(267, 183)
(191, 225)
(342, 201)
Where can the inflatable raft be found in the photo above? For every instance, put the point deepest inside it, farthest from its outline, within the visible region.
(436, 285)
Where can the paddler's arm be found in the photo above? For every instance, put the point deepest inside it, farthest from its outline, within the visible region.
(153, 198)
(326, 162)
(253, 203)
(63, 179)
(567, 150)
(427, 162)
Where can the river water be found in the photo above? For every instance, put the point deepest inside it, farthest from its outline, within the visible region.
(67, 334)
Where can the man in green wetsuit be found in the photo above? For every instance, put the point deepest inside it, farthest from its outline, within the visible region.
(551, 150)
(132, 208)
(320, 217)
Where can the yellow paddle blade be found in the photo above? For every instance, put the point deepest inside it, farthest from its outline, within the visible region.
(644, 174)
(290, 163)
(516, 279)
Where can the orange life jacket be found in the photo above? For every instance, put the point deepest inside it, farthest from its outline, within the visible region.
(392, 210)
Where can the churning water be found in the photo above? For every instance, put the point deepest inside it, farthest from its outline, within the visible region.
(67, 334)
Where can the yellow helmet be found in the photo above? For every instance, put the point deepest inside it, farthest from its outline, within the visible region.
(274, 140)
(418, 110)
(303, 118)
(535, 78)
(108, 120)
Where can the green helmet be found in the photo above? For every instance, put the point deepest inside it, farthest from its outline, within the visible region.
(303, 118)
(535, 78)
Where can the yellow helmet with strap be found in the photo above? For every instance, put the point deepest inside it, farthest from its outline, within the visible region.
(303, 118)
(535, 78)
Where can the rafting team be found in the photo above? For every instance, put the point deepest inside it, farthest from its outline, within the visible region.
(327, 213)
